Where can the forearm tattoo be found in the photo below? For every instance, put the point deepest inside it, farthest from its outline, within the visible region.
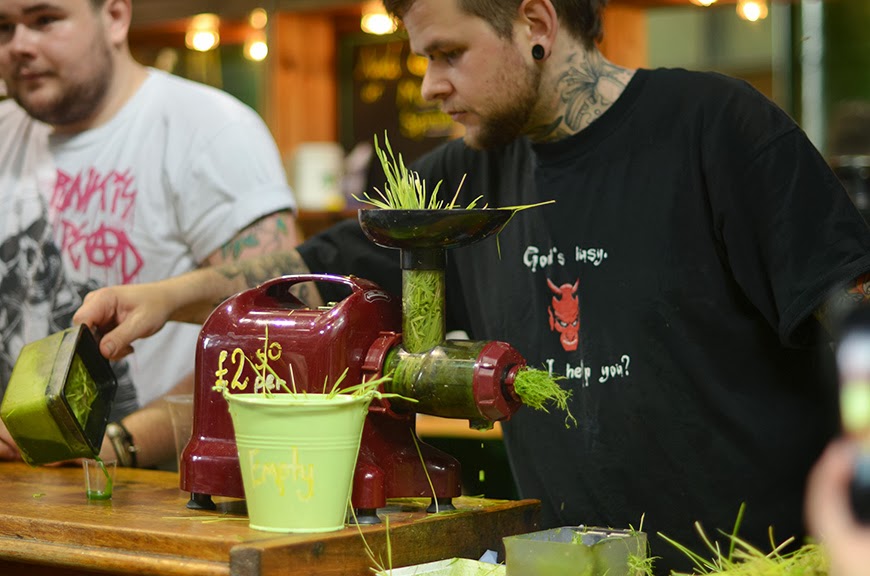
(267, 234)
(842, 300)
(255, 271)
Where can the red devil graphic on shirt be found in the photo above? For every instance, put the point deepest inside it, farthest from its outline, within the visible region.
(565, 314)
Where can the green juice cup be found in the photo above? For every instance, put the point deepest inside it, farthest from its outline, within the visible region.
(99, 478)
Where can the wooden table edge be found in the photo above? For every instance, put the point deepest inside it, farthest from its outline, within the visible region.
(95, 558)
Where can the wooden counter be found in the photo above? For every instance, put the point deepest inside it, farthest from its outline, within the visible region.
(47, 526)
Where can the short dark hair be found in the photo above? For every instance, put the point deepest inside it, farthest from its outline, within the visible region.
(582, 18)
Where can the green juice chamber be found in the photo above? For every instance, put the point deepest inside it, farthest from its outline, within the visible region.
(58, 398)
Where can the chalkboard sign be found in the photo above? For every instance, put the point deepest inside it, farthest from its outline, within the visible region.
(380, 91)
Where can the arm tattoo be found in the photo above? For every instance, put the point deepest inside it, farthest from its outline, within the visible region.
(251, 272)
(265, 234)
(843, 300)
(261, 252)
(257, 270)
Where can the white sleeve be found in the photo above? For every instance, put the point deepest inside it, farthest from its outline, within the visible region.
(236, 178)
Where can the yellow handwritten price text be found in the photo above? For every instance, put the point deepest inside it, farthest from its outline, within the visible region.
(266, 377)
(282, 474)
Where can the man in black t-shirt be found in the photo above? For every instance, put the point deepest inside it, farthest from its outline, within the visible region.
(697, 245)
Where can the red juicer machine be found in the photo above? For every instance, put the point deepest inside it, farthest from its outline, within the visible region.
(266, 337)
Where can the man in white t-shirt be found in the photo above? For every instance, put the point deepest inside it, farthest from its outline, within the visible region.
(113, 173)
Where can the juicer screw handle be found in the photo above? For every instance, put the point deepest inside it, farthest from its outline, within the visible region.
(494, 374)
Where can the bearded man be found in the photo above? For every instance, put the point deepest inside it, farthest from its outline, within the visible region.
(114, 173)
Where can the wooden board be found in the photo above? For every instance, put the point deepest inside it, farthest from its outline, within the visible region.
(47, 526)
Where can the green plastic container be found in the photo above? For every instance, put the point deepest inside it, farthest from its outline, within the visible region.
(59, 397)
(576, 550)
(297, 454)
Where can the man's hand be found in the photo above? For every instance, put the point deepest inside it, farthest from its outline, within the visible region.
(8, 448)
(829, 514)
(122, 314)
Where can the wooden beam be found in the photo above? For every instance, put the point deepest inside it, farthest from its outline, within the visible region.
(302, 99)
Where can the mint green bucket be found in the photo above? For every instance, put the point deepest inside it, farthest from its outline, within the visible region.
(297, 455)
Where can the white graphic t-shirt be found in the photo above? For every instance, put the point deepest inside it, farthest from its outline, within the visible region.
(151, 194)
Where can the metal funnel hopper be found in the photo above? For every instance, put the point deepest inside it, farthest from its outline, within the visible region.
(423, 237)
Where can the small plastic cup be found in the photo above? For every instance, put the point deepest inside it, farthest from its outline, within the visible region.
(99, 478)
(181, 413)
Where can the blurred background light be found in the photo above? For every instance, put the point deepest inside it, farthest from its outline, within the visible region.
(202, 33)
(375, 19)
(752, 10)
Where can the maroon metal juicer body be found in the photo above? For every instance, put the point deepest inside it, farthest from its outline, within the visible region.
(265, 335)
(268, 326)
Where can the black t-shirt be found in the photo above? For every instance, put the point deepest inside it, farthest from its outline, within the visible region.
(673, 282)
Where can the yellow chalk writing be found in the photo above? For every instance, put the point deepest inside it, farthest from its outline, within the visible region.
(238, 359)
(220, 382)
(265, 375)
(283, 475)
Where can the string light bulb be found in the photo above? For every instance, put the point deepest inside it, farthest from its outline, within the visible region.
(752, 10)
(704, 3)
(375, 19)
(258, 18)
(202, 33)
(256, 48)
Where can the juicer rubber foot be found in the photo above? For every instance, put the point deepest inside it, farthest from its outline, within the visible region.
(365, 516)
(444, 505)
(200, 502)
